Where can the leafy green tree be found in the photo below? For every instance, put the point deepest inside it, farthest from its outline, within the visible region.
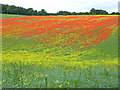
(42, 12)
(63, 13)
(8, 10)
(4, 8)
(35, 12)
(98, 12)
(92, 11)
(74, 13)
(115, 13)
(86, 13)
(13, 9)
(30, 11)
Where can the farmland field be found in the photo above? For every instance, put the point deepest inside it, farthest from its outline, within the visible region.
(4, 16)
(60, 52)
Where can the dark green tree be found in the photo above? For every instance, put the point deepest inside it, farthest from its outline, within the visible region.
(115, 13)
(74, 13)
(30, 11)
(63, 13)
(92, 11)
(42, 12)
(8, 10)
(98, 12)
(4, 8)
(35, 12)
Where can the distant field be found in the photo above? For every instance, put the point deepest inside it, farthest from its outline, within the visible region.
(60, 52)
(4, 16)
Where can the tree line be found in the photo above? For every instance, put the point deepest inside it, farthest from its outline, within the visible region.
(12, 9)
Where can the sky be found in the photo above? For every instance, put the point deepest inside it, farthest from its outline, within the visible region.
(53, 6)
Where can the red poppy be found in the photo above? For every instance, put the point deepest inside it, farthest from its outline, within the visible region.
(88, 75)
(46, 66)
(101, 81)
(76, 70)
(33, 64)
(22, 72)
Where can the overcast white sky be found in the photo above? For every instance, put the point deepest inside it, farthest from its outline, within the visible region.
(54, 6)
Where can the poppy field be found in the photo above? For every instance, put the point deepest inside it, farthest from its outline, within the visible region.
(60, 52)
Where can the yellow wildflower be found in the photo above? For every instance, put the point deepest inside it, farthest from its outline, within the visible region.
(57, 81)
(68, 83)
(60, 85)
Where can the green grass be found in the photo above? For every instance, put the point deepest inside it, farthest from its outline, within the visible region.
(40, 76)
(5, 16)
